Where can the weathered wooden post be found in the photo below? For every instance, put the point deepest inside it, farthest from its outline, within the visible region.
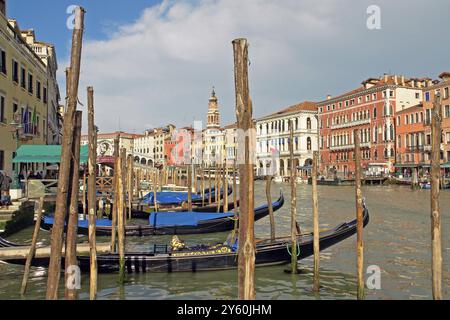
(130, 185)
(84, 194)
(72, 225)
(121, 213)
(219, 186)
(246, 252)
(155, 186)
(316, 285)
(436, 247)
(92, 195)
(225, 187)
(114, 211)
(236, 209)
(269, 203)
(32, 252)
(202, 181)
(294, 253)
(359, 217)
(54, 267)
(210, 186)
(189, 177)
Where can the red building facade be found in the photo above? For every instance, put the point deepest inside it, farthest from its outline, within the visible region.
(371, 109)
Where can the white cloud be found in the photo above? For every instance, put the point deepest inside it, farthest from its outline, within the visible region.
(161, 68)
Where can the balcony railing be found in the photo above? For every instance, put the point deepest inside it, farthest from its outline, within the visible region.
(350, 146)
(350, 124)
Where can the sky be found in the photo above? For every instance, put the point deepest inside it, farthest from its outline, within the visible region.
(155, 62)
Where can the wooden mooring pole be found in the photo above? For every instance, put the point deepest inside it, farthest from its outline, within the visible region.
(236, 209)
(210, 186)
(121, 190)
(54, 268)
(359, 218)
(294, 253)
(115, 195)
(72, 225)
(130, 185)
(246, 251)
(436, 247)
(316, 281)
(189, 178)
(32, 252)
(92, 195)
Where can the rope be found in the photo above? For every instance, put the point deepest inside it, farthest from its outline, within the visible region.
(298, 249)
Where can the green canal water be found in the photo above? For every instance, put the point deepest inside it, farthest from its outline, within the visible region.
(397, 240)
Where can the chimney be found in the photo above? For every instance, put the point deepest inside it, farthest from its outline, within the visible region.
(395, 80)
(403, 80)
(3, 7)
(328, 97)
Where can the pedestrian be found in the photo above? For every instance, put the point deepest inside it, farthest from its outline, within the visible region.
(5, 184)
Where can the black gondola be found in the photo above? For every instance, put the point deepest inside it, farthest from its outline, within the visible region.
(203, 226)
(162, 259)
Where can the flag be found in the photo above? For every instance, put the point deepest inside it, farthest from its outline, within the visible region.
(25, 120)
(34, 122)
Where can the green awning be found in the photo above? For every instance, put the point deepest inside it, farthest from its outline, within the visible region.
(45, 154)
(445, 165)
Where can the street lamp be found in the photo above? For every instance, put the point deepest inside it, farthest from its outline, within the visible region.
(16, 127)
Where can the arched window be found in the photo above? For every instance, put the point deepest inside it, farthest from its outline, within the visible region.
(308, 143)
(392, 152)
(375, 155)
(308, 123)
(391, 132)
(375, 113)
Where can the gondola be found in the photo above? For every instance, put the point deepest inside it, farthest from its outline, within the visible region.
(168, 223)
(219, 257)
(138, 214)
(172, 198)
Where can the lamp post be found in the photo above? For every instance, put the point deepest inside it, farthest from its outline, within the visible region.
(16, 127)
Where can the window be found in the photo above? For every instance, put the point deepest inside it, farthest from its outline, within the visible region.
(15, 107)
(447, 135)
(399, 121)
(308, 123)
(30, 83)
(346, 103)
(2, 61)
(406, 119)
(446, 93)
(2, 160)
(399, 141)
(427, 96)
(38, 90)
(15, 71)
(417, 95)
(308, 143)
(447, 111)
(45, 95)
(23, 83)
(2, 109)
(367, 98)
(391, 93)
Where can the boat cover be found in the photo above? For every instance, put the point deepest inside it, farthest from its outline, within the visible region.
(166, 219)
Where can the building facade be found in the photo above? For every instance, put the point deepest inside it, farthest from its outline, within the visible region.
(442, 86)
(28, 87)
(273, 135)
(144, 148)
(370, 109)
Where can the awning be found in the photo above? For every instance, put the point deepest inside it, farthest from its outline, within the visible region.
(45, 154)
(445, 165)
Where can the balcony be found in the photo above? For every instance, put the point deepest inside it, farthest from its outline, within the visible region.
(414, 149)
(350, 146)
(350, 124)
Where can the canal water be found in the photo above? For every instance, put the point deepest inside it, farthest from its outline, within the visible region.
(397, 240)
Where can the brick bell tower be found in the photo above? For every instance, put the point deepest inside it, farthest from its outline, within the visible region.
(213, 111)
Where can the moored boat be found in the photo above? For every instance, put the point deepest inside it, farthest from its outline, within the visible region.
(210, 258)
(163, 223)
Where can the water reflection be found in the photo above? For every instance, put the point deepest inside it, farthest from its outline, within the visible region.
(397, 239)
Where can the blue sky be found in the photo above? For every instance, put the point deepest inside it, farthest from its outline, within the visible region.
(48, 18)
(155, 62)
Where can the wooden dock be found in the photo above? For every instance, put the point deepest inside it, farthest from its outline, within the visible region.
(12, 253)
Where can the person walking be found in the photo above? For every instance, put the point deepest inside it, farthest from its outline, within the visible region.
(5, 184)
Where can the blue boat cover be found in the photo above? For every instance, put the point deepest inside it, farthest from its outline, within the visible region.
(171, 197)
(83, 223)
(166, 219)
